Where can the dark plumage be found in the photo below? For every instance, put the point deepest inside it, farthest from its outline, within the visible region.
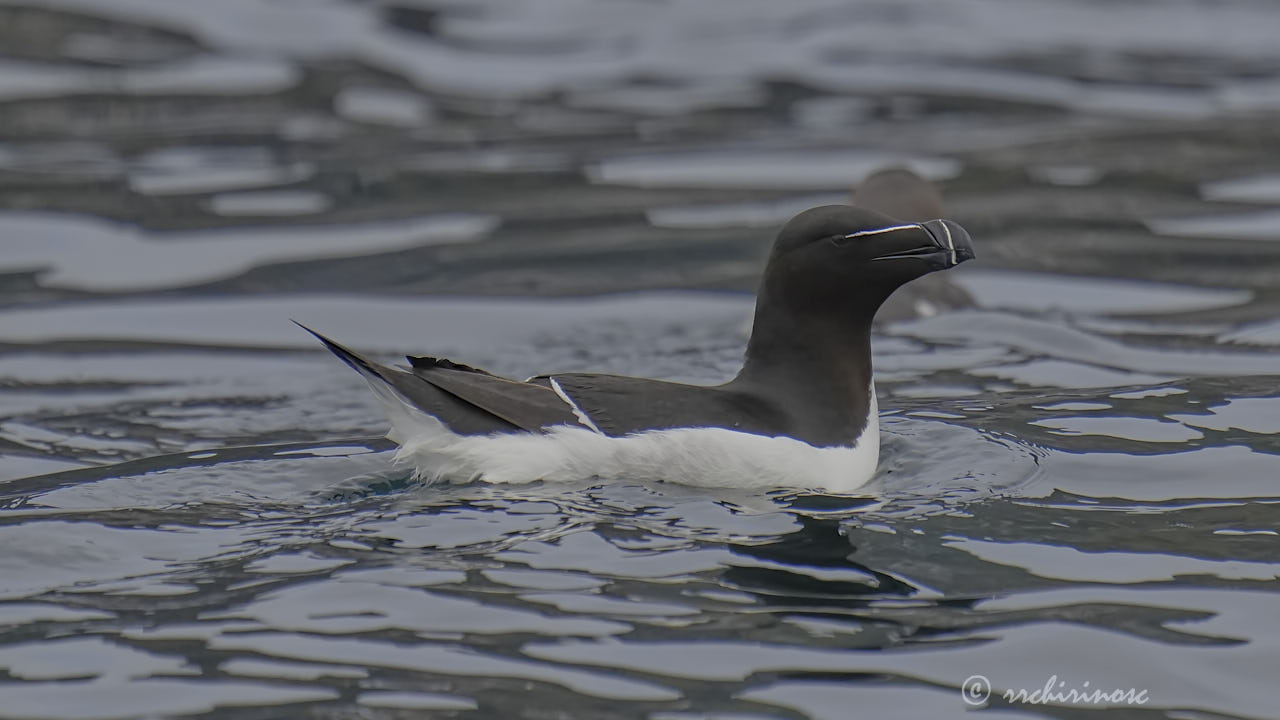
(807, 372)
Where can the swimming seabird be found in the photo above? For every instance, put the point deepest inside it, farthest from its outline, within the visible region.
(800, 413)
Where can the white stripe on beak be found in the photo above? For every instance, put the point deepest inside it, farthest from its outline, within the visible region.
(951, 244)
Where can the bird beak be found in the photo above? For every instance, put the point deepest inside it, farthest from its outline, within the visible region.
(951, 245)
(949, 236)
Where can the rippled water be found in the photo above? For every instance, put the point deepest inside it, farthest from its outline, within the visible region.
(1079, 478)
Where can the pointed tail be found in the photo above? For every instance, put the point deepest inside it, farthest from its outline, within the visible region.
(358, 362)
(418, 406)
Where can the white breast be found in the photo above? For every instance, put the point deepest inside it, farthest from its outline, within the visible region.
(708, 457)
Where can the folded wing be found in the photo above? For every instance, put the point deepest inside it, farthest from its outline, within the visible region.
(467, 400)
(619, 405)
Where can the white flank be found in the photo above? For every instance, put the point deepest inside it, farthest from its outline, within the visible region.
(707, 457)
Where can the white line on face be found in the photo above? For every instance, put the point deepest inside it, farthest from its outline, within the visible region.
(880, 231)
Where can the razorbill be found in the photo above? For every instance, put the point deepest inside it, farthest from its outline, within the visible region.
(800, 413)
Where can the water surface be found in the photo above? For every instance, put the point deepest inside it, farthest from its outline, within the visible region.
(1079, 473)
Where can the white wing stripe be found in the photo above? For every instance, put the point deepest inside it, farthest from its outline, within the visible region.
(577, 411)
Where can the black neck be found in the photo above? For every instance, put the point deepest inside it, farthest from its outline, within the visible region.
(814, 362)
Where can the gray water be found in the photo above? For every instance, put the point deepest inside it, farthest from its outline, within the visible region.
(1079, 476)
